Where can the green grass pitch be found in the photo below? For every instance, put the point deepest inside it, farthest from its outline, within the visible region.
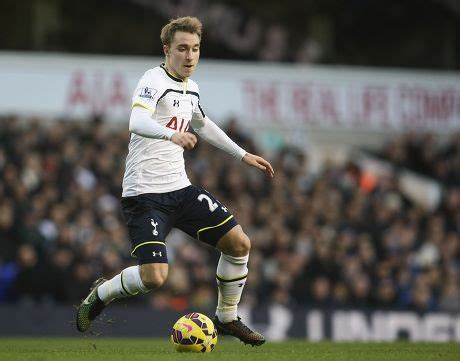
(112, 349)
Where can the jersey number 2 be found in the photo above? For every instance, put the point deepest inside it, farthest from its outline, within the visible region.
(212, 205)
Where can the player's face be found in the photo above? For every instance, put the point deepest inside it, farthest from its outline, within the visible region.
(182, 54)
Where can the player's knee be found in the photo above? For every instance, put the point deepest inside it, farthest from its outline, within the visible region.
(242, 245)
(154, 280)
(235, 243)
(154, 275)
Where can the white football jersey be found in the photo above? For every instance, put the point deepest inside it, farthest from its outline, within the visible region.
(157, 165)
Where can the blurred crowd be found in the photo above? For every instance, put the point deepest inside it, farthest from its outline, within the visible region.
(426, 154)
(324, 239)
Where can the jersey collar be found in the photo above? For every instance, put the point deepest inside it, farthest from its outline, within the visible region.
(169, 74)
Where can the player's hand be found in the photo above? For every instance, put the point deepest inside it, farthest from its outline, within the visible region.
(259, 162)
(185, 140)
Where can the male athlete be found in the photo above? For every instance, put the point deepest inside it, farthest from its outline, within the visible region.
(157, 194)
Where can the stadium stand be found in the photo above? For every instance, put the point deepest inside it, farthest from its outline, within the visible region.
(334, 238)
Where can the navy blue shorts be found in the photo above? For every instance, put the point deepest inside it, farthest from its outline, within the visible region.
(151, 216)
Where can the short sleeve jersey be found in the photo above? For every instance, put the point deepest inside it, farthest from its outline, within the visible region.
(157, 165)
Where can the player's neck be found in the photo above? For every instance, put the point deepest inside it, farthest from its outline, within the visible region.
(173, 73)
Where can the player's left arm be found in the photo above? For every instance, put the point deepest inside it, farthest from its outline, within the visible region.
(259, 162)
(209, 131)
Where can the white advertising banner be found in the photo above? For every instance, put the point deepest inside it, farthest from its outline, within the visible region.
(278, 96)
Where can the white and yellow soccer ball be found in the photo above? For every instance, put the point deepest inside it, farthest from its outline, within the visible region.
(194, 332)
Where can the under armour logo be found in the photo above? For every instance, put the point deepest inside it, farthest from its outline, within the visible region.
(224, 208)
(240, 284)
(154, 224)
(176, 103)
(156, 253)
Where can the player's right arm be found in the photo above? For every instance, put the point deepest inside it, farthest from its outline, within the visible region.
(141, 122)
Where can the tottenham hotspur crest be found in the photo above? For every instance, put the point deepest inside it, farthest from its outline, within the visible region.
(154, 224)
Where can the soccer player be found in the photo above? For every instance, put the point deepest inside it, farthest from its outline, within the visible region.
(157, 194)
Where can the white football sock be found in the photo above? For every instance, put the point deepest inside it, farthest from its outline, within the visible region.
(125, 284)
(231, 277)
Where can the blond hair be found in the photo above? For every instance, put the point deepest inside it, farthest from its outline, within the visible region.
(188, 24)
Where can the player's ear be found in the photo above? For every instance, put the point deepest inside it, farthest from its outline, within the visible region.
(166, 50)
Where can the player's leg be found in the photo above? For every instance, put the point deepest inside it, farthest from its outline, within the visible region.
(231, 275)
(232, 272)
(147, 226)
(130, 282)
(209, 221)
(125, 284)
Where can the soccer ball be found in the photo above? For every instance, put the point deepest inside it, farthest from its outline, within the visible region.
(194, 332)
